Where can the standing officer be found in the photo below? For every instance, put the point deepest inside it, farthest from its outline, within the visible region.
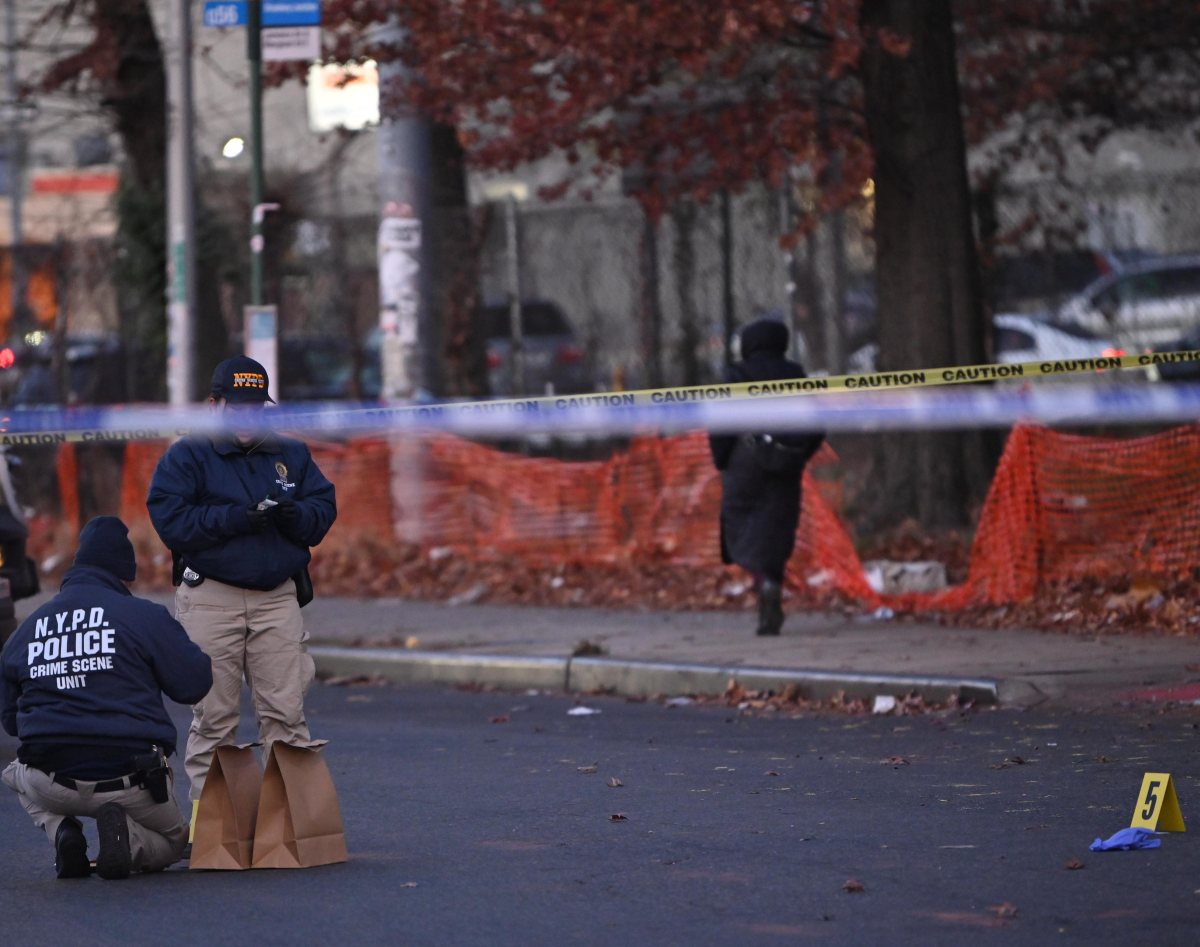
(760, 478)
(81, 685)
(239, 511)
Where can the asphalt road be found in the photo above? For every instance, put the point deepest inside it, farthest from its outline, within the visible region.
(485, 818)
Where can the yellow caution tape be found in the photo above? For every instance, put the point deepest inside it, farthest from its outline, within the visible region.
(730, 391)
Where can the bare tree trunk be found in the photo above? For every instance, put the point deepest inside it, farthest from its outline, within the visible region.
(457, 251)
(683, 215)
(930, 311)
(651, 306)
(815, 323)
(728, 305)
(135, 95)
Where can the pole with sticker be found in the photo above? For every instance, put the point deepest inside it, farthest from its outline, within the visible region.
(1157, 806)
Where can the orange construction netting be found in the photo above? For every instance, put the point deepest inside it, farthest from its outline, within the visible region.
(1060, 508)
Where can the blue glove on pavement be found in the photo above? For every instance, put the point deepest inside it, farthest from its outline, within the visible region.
(1127, 840)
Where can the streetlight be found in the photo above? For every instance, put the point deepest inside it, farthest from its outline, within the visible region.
(233, 147)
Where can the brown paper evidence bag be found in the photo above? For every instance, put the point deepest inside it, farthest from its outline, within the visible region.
(285, 817)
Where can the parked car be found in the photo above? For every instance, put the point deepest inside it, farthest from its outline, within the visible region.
(1021, 338)
(1041, 280)
(555, 362)
(1142, 306)
(1178, 371)
(318, 366)
(95, 371)
(1018, 338)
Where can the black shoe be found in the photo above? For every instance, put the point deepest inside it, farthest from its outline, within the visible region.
(770, 608)
(70, 850)
(115, 860)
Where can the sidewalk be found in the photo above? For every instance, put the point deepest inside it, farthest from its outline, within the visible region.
(646, 653)
(697, 652)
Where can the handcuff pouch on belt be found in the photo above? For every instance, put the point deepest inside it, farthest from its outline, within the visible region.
(152, 769)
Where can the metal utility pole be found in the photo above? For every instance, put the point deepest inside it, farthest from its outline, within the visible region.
(409, 346)
(16, 172)
(181, 215)
(516, 327)
(254, 57)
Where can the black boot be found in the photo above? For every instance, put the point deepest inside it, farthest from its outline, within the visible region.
(770, 608)
(70, 850)
(115, 860)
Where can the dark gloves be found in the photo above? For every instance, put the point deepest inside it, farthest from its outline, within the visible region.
(259, 519)
(286, 514)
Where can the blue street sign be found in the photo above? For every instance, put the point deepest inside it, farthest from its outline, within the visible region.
(225, 13)
(291, 13)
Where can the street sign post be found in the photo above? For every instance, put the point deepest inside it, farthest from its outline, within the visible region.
(260, 332)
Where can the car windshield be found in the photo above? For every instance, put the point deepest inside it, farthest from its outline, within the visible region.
(1075, 331)
(1048, 275)
(536, 319)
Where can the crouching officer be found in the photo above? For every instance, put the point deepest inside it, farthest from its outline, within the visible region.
(81, 685)
(239, 511)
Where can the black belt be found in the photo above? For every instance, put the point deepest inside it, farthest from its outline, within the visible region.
(105, 785)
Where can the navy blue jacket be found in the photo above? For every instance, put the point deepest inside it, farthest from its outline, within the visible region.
(201, 492)
(91, 665)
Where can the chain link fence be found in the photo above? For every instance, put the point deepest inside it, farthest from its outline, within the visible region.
(655, 303)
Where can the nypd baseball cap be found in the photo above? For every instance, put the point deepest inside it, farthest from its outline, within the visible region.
(240, 378)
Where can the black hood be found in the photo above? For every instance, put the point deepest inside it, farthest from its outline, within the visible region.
(764, 335)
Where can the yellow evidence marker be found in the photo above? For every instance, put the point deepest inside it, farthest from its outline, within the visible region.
(1157, 806)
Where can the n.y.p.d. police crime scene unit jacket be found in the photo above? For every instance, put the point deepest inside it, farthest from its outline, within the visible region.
(89, 668)
(202, 491)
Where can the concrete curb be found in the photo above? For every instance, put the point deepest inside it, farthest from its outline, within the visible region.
(633, 678)
(439, 667)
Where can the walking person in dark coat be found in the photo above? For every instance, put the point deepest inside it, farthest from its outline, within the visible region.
(760, 478)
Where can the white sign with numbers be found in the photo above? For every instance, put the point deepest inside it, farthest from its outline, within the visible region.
(286, 43)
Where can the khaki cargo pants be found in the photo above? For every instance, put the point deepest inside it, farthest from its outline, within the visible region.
(258, 635)
(157, 832)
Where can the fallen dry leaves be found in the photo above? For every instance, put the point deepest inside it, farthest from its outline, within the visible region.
(853, 886)
(459, 575)
(1119, 605)
(789, 702)
(656, 576)
(1073, 864)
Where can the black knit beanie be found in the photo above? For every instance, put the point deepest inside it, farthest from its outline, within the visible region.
(104, 542)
